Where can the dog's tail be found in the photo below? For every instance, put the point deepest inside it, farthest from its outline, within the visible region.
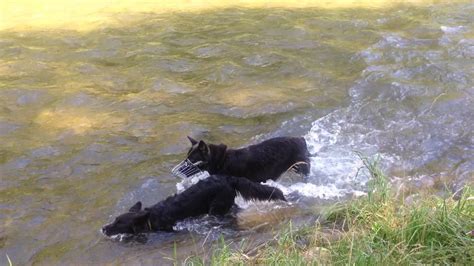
(255, 191)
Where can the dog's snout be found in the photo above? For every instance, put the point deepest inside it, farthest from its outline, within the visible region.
(103, 230)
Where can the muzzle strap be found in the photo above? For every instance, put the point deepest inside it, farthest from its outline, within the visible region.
(187, 169)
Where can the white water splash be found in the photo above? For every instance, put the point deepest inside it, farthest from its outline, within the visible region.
(325, 192)
(187, 182)
(453, 29)
(120, 237)
(336, 170)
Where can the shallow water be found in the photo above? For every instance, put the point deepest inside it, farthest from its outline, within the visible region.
(92, 121)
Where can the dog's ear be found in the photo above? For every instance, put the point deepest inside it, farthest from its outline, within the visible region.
(136, 208)
(193, 141)
(202, 146)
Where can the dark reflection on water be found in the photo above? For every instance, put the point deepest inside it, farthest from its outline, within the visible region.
(92, 122)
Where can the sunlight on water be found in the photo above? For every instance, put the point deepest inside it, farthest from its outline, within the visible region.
(76, 120)
(90, 14)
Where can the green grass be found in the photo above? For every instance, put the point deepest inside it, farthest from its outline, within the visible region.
(373, 230)
(9, 261)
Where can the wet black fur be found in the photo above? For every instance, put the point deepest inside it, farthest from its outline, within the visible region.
(260, 162)
(214, 195)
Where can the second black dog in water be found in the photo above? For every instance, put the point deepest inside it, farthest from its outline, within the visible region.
(214, 195)
(260, 162)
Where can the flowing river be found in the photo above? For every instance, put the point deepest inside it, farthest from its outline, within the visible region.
(92, 120)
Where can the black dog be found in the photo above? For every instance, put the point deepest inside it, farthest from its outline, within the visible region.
(214, 195)
(260, 162)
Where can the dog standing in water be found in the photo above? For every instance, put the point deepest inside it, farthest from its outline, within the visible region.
(260, 162)
(214, 195)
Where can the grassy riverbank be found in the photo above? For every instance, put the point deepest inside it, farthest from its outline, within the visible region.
(371, 230)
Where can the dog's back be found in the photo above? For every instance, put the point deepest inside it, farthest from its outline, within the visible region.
(267, 160)
(254, 191)
(214, 195)
(260, 162)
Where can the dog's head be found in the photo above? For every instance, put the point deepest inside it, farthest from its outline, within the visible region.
(199, 154)
(134, 221)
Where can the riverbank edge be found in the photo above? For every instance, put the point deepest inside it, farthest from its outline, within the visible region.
(379, 228)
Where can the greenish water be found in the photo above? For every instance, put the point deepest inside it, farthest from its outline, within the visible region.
(91, 122)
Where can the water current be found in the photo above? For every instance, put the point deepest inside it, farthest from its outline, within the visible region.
(92, 121)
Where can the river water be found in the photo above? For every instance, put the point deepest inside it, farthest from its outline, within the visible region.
(92, 121)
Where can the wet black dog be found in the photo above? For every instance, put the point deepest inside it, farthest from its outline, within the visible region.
(214, 195)
(266, 160)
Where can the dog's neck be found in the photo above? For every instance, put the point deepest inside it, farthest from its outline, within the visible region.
(157, 221)
(218, 154)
